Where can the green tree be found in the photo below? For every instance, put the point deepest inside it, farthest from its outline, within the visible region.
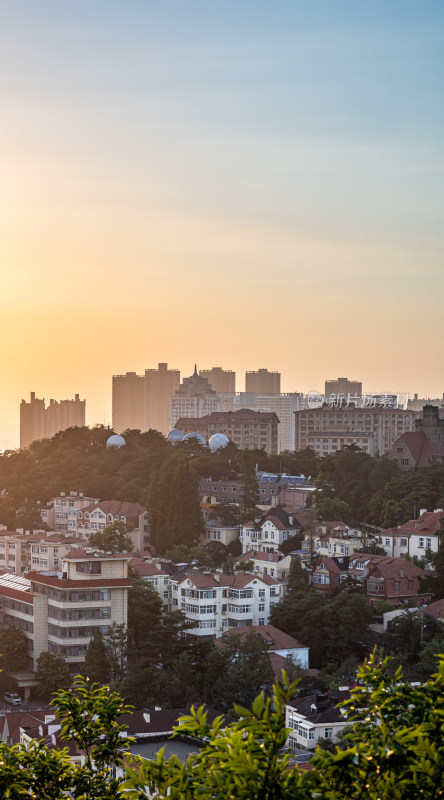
(332, 508)
(297, 578)
(115, 538)
(96, 666)
(116, 642)
(144, 612)
(226, 514)
(175, 512)
(334, 628)
(372, 548)
(89, 715)
(236, 671)
(52, 673)
(249, 486)
(407, 635)
(13, 649)
(395, 752)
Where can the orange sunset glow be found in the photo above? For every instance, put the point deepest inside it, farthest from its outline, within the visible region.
(255, 187)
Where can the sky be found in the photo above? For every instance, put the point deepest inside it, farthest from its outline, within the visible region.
(235, 183)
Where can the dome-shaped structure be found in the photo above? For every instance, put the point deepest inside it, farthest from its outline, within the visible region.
(175, 436)
(217, 442)
(115, 442)
(194, 437)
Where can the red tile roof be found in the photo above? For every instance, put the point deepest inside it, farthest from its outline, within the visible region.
(116, 507)
(273, 637)
(238, 581)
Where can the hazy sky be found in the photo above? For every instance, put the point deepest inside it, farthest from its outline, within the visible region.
(238, 183)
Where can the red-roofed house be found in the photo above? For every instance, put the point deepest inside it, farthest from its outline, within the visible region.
(267, 532)
(278, 643)
(396, 580)
(96, 517)
(414, 450)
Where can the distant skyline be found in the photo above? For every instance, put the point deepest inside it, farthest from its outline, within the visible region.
(240, 185)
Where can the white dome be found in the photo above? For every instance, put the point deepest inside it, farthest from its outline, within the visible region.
(196, 436)
(217, 442)
(175, 436)
(115, 441)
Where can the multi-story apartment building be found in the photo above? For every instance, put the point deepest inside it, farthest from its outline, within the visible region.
(60, 612)
(247, 429)
(160, 386)
(142, 401)
(216, 602)
(128, 402)
(20, 552)
(64, 511)
(194, 398)
(38, 422)
(263, 382)
(223, 381)
(342, 386)
(274, 490)
(284, 406)
(267, 533)
(328, 429)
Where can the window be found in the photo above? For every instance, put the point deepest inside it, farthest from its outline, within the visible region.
(261, 620)
(328, 733)
(396, 587)
(428, 542)
(403, 542)
(421, 542)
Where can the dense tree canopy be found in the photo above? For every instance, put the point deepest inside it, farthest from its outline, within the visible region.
(333, 627)
(372, 488)
(175, 513)
(13, 649)
(52, 673)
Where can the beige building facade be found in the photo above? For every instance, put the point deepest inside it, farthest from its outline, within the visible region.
(328, 429)
(40, 422)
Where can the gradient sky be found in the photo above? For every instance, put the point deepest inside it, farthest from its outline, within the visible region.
(240, 183)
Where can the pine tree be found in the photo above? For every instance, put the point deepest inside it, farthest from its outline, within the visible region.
(96, 666)
(249, 487)
(175, 513)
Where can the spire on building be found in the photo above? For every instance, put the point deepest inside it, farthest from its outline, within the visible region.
(195, 375)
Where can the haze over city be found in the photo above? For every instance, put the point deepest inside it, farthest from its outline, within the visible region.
(245, 185)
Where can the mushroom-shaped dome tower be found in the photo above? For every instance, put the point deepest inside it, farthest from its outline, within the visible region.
(217, 442)
(175, 436)
(194, 437)
(115, 442)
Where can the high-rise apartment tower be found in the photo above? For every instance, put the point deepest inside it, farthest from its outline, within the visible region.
(263, 382)
(223, 381)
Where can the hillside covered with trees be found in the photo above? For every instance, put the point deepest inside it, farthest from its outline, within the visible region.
(351, 485)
